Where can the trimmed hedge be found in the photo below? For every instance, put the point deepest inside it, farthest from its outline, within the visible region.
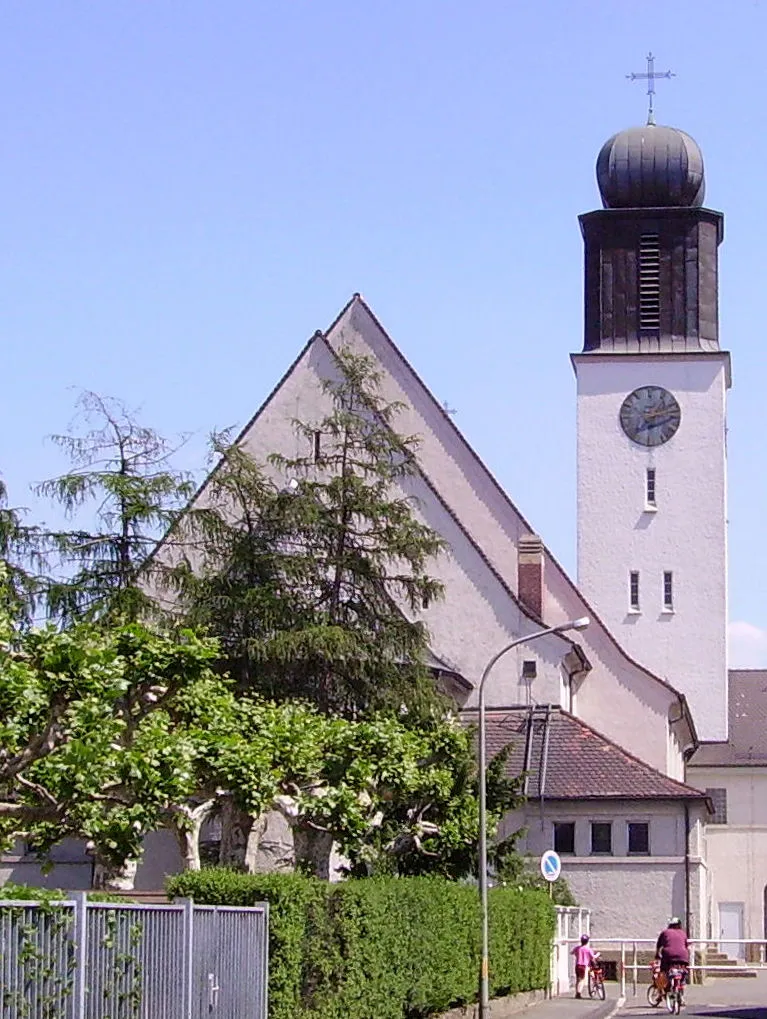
(383, 948)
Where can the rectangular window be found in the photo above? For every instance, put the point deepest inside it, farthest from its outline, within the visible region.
(601, 837)
(639, 837)
(668, 591)
(634, 590)
(564, 837)
(650, 487)
(317, 447)
(718, 798)
(649, 281)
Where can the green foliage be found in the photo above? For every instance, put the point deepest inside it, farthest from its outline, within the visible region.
(21, 556)
(76, 731)
(518, 871)
(30, 893)
(121, 469)
(387, 947)
(314, 584)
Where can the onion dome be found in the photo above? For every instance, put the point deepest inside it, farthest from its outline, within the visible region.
(651, 167)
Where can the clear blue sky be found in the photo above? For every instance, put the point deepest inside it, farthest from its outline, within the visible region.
(190, 189)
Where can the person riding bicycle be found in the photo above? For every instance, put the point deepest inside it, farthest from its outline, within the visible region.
(585, 956)
(672, 948)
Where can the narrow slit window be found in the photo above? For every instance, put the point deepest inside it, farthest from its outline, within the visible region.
(634, 590)
(649, 281)
(650, 487)
(317, 447)
(668, 590)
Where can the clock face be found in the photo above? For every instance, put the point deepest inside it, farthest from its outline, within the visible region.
(650, 416)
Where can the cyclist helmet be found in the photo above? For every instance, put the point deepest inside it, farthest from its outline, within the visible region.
(584, 939)
(675, 922)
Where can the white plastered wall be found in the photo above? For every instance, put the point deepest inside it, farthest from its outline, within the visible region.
(737, 850)
(629, 896)
(618, 697)
(685, 534)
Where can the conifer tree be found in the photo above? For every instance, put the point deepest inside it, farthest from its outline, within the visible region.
(121, 472)
(23, 561)
(315, 582)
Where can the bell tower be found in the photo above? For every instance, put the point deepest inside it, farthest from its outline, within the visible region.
(652, 382)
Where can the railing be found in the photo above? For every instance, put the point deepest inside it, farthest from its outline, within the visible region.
(629, 950)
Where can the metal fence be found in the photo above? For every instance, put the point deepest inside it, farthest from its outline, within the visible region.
(77, 959)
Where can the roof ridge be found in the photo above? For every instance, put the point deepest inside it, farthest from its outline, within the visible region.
(627, 753)
(504, 494)
(670, 787)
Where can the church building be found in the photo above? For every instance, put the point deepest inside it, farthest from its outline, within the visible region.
(645, 762)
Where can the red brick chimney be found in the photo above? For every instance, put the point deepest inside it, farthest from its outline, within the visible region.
(530, 573)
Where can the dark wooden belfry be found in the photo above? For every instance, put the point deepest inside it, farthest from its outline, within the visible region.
(651, 255)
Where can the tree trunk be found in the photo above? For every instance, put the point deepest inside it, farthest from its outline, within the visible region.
(189, 843)
(236, 827)
(271, 848)
(114, 877)
(313, 850)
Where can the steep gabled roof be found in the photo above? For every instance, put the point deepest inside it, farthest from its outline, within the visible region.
(566, 759)
(747, 726)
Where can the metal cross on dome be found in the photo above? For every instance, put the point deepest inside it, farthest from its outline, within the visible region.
(649, 76)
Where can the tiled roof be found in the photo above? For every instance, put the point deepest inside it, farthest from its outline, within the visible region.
(572, 760)
(747, 742)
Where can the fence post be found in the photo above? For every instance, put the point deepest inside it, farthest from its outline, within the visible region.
(623, 969)
(80, 935)
(634, 968)
(188, 918)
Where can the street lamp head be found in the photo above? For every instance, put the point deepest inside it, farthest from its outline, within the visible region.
(576, 624)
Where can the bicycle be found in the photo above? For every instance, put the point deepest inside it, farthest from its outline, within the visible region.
(596, 981)
(655, 992)
(654, 995)
(675, 989)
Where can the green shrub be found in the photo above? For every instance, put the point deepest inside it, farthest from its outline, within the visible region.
(383, 948)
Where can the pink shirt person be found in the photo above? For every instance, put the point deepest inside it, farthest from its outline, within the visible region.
(584, 955)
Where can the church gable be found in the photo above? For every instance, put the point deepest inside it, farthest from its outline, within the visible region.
(457, 496)
(617, 689)
(480, 611)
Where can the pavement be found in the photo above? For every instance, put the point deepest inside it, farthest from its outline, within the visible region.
(730, 998)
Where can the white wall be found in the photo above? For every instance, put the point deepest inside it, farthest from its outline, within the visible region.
(479, 613)
(628, 896)
(617, 691)
(737, 850)
(686, 535)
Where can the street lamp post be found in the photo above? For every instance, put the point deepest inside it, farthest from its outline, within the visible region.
(484, 988)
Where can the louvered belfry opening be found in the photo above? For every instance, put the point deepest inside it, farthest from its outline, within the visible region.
(649, 282)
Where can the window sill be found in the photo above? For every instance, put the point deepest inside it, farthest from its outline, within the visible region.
(650, 509)
(667, 612)
(634, 612)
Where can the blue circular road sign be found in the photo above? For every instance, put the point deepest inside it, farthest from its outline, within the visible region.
(551, 865)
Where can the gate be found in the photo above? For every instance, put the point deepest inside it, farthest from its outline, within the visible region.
(77, 959)
(229, 964)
